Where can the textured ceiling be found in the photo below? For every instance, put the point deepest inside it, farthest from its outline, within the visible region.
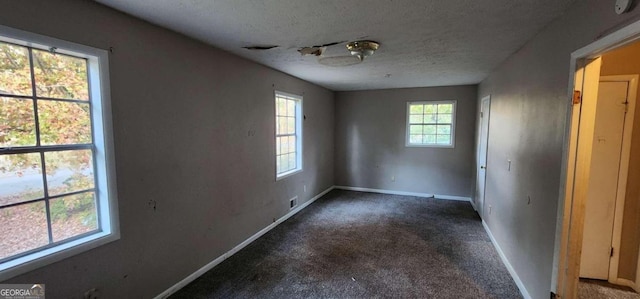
(423, 42)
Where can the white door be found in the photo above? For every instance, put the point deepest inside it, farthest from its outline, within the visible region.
(603, 180)
(483, 143)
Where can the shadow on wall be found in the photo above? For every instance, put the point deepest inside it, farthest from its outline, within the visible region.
(353, 156)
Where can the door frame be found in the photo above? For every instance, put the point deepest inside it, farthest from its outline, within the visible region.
(484, 189)
(623, 172)
(570, 214)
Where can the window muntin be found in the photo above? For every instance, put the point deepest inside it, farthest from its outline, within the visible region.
(57, 192)
(288, 115)
(431, 123)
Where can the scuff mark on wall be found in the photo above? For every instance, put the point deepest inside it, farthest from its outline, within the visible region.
(260, 48)
(153, 204)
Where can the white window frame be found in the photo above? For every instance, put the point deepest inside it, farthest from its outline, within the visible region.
(298, 134)
(453, 124)
(104, 172)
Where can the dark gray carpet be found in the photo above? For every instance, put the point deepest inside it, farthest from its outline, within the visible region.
(365, 245)
(596, 289)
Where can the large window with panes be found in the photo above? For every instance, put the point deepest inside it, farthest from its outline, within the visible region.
(57, 191)
(431, 124)
(288, 134)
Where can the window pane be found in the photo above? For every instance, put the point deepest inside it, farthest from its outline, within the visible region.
(444, 139)
(415, 119)
(64, 122)
(429, 129)
(17, 122)
(73, 215)
(445, 108)
(278, 148)
(416, 109)
(292, 144)
(292, 161)
(15, 76)
(20, 178)
(430, 139)
(291, 108)
(69, 171)
(281, 107)
(417, 139)
(282, 125)
(284, 144)
(60, 76)
(291, 125)
(444, 130)
(278, 166)
(430, 118)
(430, 109)
(23, 228)
(415, 129)
(444, 118)
(284, 163)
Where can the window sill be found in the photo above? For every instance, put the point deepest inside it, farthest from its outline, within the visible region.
(287, 174)
(430, 145)
(48, 256)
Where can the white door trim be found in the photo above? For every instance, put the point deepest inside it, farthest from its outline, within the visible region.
(486, 153)
(623, 171)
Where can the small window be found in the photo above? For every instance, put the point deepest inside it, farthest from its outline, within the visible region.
(57, 180)
(431, 123)
(288, 134)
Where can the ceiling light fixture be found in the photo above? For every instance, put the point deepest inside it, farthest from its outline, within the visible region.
(362, 48)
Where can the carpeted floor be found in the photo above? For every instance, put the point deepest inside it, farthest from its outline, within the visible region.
(594, 289)
(365, 245)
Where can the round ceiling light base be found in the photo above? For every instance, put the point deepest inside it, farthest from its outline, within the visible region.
(363, 48)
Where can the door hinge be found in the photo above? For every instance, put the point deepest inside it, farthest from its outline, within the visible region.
(577, 97)
(481, 114)
(611, 252)
(626, 106)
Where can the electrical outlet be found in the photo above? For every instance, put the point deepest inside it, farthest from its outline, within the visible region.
(393, 178)
(304, 188)
(509, 165)
(490, 209)
(92, 294)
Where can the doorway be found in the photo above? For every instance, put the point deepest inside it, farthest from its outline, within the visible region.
(605, 177)
(483, 143)
(596, 165)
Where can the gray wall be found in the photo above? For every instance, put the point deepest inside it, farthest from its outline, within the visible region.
(528, 115)
(181, 112)
(370, 142)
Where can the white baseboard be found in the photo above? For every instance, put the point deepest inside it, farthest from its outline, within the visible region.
(436, 196)
(237, 248)
(473, 204)
(506, 262)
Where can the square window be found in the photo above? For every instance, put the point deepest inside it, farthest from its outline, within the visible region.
(431, 124)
